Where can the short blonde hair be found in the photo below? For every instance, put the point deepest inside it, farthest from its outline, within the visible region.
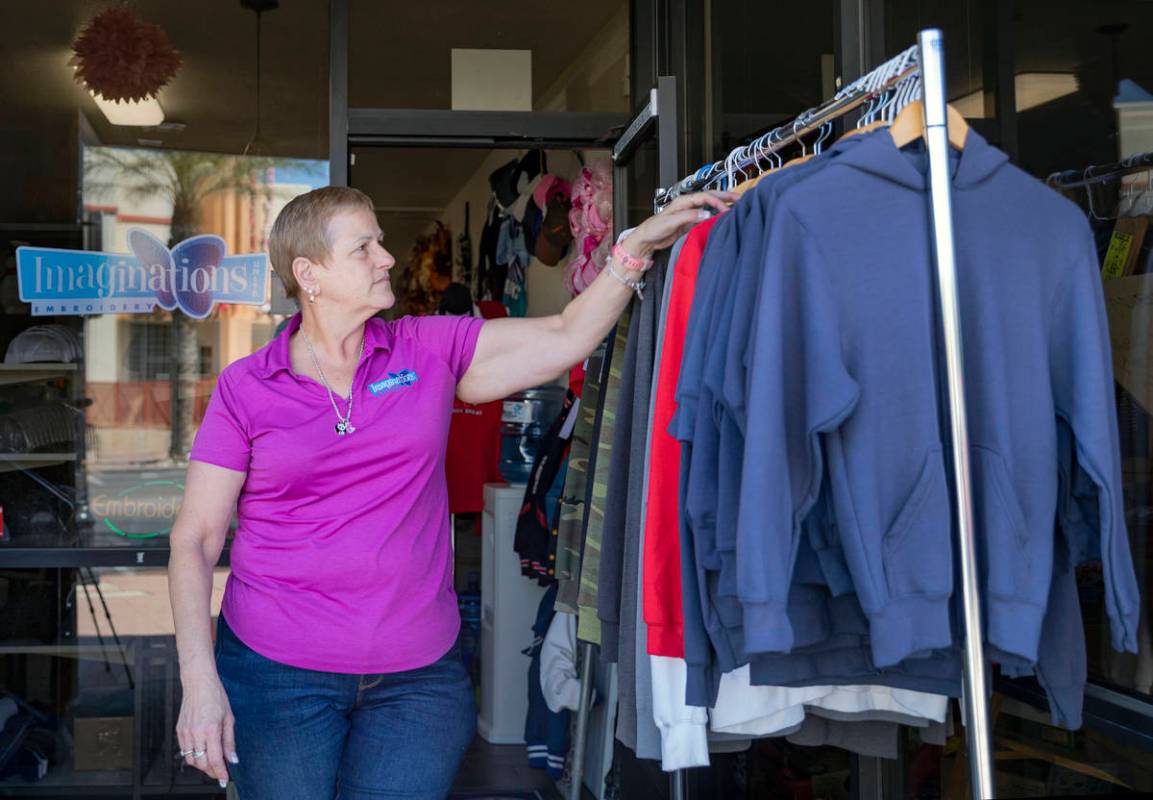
(301, 228)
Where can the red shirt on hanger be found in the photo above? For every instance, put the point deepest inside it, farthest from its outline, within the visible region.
(473, 455)
(663, 613)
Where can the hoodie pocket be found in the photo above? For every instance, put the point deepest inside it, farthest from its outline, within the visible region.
(918, 553)
(1001, 530)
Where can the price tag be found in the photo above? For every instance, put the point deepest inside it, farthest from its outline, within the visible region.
(1117, 256)
(1124, 247)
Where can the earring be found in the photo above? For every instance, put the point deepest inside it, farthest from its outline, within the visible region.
(312, 295)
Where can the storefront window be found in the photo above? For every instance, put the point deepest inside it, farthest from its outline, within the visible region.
(961, 23)
(149, 376)
(1082, 84)
(768, 62)
(484, 57)
(98, 409)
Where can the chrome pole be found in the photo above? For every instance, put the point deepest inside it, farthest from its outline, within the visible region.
(576, 774)
(977, 729)
(677, 785)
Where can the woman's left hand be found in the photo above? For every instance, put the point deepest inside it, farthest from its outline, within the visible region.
(661, 230)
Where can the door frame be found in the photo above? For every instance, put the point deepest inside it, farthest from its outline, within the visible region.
(389, 127)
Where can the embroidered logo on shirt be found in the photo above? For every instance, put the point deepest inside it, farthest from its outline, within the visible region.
(395, 380)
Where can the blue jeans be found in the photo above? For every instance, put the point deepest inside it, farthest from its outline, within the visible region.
(307, 735)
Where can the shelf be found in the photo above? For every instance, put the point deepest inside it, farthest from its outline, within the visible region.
(30, 373)
(71, 556)
(62, 779)
(110, 652)
(10, 462)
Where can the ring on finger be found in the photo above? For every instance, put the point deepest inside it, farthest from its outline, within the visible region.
(184, 753)
(200, 754)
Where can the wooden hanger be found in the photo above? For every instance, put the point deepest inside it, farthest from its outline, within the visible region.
(909, 126)
(872, 126)
(744, 186)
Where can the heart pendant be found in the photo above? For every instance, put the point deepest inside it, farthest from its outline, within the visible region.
(349, 429)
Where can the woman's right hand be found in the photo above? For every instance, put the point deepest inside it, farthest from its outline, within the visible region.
(206, 726)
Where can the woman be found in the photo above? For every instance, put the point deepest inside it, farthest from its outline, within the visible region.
(334, 671)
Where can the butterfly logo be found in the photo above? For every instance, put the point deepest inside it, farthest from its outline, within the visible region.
(182, 277)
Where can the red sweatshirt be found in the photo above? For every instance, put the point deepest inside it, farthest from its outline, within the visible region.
(663, 613)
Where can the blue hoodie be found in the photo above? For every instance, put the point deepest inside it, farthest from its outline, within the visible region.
(833, 646)
(724, 297)
(845, 370)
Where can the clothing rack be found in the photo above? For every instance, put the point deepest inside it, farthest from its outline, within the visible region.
(926, 58)
(1076, 179)
(876, 83)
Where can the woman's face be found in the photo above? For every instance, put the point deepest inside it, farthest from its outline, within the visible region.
(356, 271)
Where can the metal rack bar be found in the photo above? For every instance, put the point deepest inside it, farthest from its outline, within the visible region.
(576, 774)
(932, 55)
(1075, 179)
(637, 128)
(847, 100)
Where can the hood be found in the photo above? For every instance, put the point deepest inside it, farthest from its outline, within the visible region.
(878, 155)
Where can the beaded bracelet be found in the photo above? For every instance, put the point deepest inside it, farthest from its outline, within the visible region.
(636, 286)
(629, 261)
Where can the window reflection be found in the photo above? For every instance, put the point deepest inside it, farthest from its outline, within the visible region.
(149, 375)
(1119, 210)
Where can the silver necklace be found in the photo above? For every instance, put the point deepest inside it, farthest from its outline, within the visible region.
(343, 421)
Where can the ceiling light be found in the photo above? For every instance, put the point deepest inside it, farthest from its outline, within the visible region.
(1033, 89)
(139, 112)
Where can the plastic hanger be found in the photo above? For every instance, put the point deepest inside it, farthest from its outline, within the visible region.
(823, 136)
(1089, 196)
(805, 155)
(1143, 206)
(731, 169)
(756, 152)
(866, 123)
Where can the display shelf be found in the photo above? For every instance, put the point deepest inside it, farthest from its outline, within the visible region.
(30, 373)
(10, 462)
(73, 556)
(63, 779)
(92, 548)
(109, 652)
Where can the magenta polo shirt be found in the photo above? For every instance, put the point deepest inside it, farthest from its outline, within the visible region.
(342, 559)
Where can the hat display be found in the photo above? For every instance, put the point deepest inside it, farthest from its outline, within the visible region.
(555, 236)
(547, 231)
(512, 180)
(591, 223)
(456, 300)
(45, 344)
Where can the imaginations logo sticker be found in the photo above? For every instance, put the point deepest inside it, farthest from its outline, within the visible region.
(395, 380)
(192, 276)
